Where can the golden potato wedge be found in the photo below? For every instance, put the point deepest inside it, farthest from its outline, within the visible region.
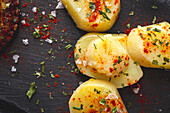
(104, 56)
(96, 96)
(93, 15)
(149, 45)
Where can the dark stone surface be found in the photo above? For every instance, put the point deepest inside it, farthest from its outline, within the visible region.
(155, 84)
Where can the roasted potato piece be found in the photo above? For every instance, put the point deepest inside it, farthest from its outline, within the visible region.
(93, 15)
(104, 56)
(149, 45)
(96, 96)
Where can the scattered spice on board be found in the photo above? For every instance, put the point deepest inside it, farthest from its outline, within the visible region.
(41, 23)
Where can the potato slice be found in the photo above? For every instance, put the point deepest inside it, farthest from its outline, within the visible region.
(93, 15)
(150, 45)
(104, 56)
(96, 96)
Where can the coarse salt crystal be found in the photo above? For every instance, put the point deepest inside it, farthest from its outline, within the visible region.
(78, 9)
(60, 5)
(49, 41)
(15, 58)
(80, 82)
(23, 22)
(43, 12)
(34, 9)
(136, 90)
(13, 69)
(53, 13)
(23, 14)
(160, 110)
(25, 41)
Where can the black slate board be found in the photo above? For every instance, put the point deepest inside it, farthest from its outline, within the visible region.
(153, 97)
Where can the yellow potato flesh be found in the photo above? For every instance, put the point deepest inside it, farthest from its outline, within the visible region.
(84, 16)
(128, 76)
(2, 6)
(87, 98)
(103, 53)
(149, 45)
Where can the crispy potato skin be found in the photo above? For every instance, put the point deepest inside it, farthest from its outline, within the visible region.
(149, 45)
(98, 62)
(79, 10)
(89, 94)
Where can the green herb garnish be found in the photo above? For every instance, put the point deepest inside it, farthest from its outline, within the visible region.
(92, 6)
(104, 15)
(128, 25)
(114, 110)
(119, 60)
(95, 46)
(166, 59)
(51, 16)
(155, 62)
(43, 66)
(154, 7)
(102, 101)
(76, 57)
(154, 20)
(157, 30)
(68, 46)
(107, 9)
(32, 90)
(36, 33)
(131, 13)
(100, 37)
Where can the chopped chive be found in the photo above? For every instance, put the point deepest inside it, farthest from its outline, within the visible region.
(102, 101)
(154, 7)
(95, 46)
(77, 108)
(76, 57)
(100, 37)
(155, 62)
(104, 15)
(131, 13)
(154, 20)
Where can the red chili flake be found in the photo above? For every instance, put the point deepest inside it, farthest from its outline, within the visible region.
(27, 24)
(54, 21)
(129, 84)
(114, 12)
(71, 53)
(93, 111)
(94, 25)
(115, 61)
(147, 44)
(108, 109)
(111, 69)
(145, 50)
(59, 108)
(57, 76)
(113, 102)
(93, 17)
(64, 30)
(25, 5)
(55, 84)
(128, 31)
(116, 2)
(48, 85)
(4, 55)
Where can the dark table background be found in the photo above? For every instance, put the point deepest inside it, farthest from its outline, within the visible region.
(154, 94)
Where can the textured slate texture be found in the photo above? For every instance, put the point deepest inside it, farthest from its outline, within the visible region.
(153, 97)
